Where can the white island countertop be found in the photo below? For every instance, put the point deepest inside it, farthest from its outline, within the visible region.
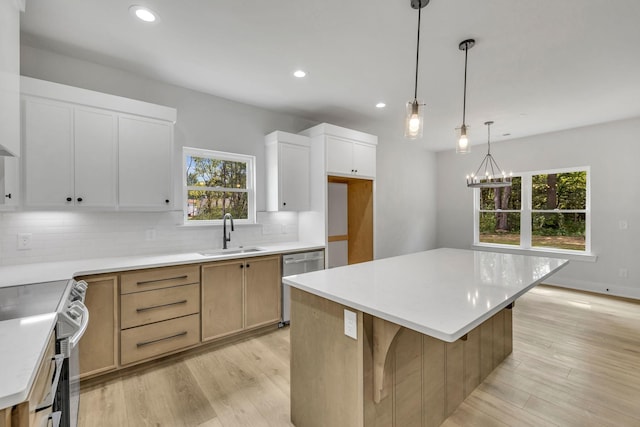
(443, 293)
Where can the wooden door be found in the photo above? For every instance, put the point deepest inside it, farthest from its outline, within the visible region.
(222, 297)
(262, 291)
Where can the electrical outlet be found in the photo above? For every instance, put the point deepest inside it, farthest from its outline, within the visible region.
(24, 241)
(150, 234)
(350, 324)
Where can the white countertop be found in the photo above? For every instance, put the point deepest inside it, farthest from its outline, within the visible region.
(24, 342)
(64, 270)
(443, 293)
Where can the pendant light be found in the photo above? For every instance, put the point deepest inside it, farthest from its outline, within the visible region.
(463, 146)
(415, 109)
(489, 174)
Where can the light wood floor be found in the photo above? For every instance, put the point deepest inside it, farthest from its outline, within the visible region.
(576, 362)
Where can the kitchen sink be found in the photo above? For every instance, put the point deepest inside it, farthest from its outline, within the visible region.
(230, 251)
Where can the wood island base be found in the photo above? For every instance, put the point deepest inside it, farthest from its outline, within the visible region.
(390, 375)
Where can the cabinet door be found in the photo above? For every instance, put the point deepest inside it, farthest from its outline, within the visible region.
(48, 139)
(364, 159)
(294, 177)
(98, 346)
(221, 299)
(8, 182)
(10, 77)
(144, 162)
(95, 157)
(339, 156)
(262, 291)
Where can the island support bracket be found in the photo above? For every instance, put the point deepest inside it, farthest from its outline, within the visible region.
(384, 334)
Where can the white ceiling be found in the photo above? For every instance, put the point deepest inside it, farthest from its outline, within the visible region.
(538, 66)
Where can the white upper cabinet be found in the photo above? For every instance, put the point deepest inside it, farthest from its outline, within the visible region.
(86, 149)
(348, 152)
(9, 78)
(8, 183)
(144, 162)
(48, 153)
(94, 157)
(69, 155)
(287, 171)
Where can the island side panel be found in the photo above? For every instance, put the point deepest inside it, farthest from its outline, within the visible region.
(326, 365)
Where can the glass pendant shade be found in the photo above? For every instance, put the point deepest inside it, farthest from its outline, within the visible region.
(414, 123)
(463, 146)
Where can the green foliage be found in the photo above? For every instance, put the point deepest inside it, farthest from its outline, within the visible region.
(214, 176)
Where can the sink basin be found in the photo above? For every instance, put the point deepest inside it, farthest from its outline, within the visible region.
(230, 251)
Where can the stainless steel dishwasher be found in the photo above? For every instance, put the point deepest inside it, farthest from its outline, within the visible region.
(297, 263)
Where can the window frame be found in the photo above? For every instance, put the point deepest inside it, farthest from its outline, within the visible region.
(526, 211)
(220, 155)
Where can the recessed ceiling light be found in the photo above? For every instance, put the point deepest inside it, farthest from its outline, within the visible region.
(381, 105)
(143, 13)
(299, 73)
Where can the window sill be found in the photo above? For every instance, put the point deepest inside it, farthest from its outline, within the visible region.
(237, 223)
(573, 256)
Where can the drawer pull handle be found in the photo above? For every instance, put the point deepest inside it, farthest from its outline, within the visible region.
(140, 310)
(180, 334)
(147, 282)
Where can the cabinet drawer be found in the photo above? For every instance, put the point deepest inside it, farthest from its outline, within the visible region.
(158, 278)
(141, 308)
(156, 339)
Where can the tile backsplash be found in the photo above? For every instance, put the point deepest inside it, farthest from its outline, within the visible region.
(62, 236)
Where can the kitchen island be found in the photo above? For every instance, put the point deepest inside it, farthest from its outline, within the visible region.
(402, 341)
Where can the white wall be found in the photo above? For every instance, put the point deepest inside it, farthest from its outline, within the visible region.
(405, 215)
(612, 150)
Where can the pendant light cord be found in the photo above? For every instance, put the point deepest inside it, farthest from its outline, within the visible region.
(415, 93)
(464, 98)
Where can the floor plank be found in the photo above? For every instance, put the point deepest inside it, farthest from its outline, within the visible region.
(575, 362)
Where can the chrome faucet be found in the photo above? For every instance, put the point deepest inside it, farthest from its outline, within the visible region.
(226, 238)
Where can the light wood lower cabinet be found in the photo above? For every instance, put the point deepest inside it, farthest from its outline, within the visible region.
(159, 312)
(159, 338)
(239, 295)
(262, 297)
(140, 315)
(99, 344)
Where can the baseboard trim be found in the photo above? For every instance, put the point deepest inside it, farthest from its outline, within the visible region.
(599, 288)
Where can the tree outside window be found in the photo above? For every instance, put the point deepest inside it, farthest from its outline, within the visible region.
(216, 184)
(540, 210)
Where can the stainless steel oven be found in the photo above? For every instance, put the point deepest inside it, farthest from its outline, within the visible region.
(73, 319)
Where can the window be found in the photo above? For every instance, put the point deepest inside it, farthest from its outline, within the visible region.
(546, 210)
(216, 183)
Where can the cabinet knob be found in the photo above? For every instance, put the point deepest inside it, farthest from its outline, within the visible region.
(166, 201)
(8, 196)
(248, 265)
(241, 265)
(79, 199)
(284, 203)
(69, 199)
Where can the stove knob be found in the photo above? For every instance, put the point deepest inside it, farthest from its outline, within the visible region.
(81, 286)
(74, 312)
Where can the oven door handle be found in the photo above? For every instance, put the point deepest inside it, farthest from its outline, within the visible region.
(47, 402)
(73, 341)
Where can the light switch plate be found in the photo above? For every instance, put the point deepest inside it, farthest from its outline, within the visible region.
(350, 324)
